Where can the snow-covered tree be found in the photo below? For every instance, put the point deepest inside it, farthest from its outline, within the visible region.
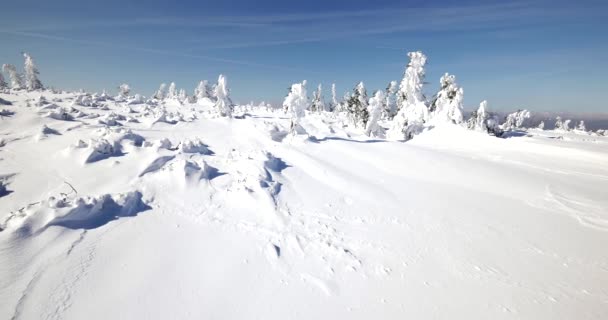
(31, 74)
(334, 101)
(567, 124)
(516, 120)
(160, 93)
(317, 104)
(357, 106)
(447, 104)
(390, 101)
(581, 126)
(13, 75)
(172, 94)
(559, 124)
(182, 96)
(124, 90)
(295, 103)
(541, 125)
(223, 104)
(3, 84)
(203, 90)
(482, 120)
(376, 106)
(413, 112)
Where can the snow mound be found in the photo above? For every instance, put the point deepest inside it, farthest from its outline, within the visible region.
(194, 145)
(77, 213)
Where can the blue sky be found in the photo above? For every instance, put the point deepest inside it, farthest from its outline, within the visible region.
(540, 55)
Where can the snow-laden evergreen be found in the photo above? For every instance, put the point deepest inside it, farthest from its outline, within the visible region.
(334, 101)
(203, 90)
(357, 107)
(13, 76)
(412, 110)
(376, 107)
(541, 125)
(317, 104)
(516, 120)
(390, 101)
(124, 90)
(31, 73)
(448, 103)
(295, 104)
(581, 126)
(160, 94)
(482, 120)
(172, 92)
(223, 104)
(3, 84)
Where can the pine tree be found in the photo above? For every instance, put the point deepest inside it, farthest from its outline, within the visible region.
(294, 104)
(376, 104)
(516, 120)
(390, 104)
(559, 124)
(124, 90)
(3, 84)
(160, 93)
(567, 124)
(13, 75)
(412, 110)
(203, 90)
(581, 126)
(182, 96)
(31, 74)
(334, 102)
(541, 125)
(223, 104)
(357, 106)
(317, 104)
(172, 94)
(447, 103)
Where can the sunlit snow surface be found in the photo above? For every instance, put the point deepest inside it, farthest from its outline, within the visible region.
(122, 211)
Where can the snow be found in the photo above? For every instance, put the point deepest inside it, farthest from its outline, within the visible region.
(215, 217)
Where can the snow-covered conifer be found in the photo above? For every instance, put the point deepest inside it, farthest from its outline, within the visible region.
(160, 93)
(124, 90)
(357, 106)
(447, 105)
(567, 124)
(516, 120)
(390, 102)
(413, 112)
(203, 90)
(172, 94)
(223, 104)
(295, 103)
(581, 126)
(334, 101)
(3, 84)
(376, 105)
(13, 75)
(317, 104)
(31, 74)
(541, 125)
(182, 96)
(559, 124)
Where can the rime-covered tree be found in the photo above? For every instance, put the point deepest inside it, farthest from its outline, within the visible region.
(334, 101)
(124, 90)
(3, 84)
(447, 104)
(482, 120)
(31, 74)
(567, 124)
(182, 96)
(172, 94)
(581, 126)
(161, 92)
(376, 106)
(295, 103)
(357, 106)
(223, 104)
(390, 103)
(516, 120)
(413, 112)
(13, 76)
(317, 104)
(203, 90)
(559, 124)
(541, 125)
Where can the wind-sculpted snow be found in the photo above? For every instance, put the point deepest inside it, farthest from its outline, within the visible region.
(162, 209)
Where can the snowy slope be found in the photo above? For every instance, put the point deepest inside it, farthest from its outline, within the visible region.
(205, 217)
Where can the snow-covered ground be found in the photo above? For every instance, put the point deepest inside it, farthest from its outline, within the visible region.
(120, 211)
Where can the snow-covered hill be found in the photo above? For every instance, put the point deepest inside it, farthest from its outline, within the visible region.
(126, 210)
